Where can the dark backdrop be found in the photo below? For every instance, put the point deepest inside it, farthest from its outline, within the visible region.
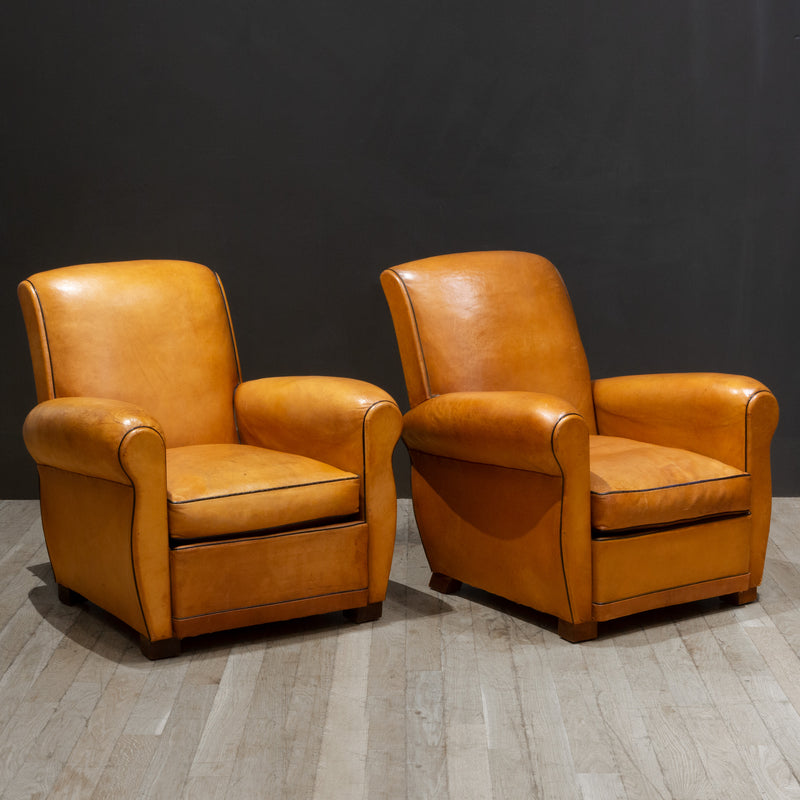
(649, 149)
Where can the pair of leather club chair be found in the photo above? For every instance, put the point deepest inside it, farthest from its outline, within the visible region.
(183, 500)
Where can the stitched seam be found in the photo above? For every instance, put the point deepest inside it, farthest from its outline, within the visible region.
(670, 589)
(747, 424)
(277, 603)
(364, 479)
(364, 474)
(416, 328)
(196, 542)
(258, 491)
(46, 337)
(235, 415)
(648, 529)
(235, 354)
(364, 449)
(561, 512)
(670, 486)
(133, 516)
(83, 474)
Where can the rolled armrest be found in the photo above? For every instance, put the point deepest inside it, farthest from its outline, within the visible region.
(521, 430)
(709, 413)
(319, 417)
(86, 435)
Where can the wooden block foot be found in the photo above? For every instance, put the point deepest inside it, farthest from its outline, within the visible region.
(365, 613)
(577, 631)
(68, 597)
(444, 584)
(741, 598)
(163, 648)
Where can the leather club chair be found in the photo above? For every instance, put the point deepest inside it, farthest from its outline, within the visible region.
(587, 500)
(174, 495)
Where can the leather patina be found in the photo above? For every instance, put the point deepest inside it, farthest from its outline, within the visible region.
(178, 497)
(588, 500)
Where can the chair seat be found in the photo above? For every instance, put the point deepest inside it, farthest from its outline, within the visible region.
(221, 489)
(636, 485)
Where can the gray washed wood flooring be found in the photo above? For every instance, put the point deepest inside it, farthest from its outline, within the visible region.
(464, 696)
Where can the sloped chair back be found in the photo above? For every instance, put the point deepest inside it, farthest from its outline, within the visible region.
(487, 322)
(156, 334)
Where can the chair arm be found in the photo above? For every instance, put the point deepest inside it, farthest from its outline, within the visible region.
(87, 435)
(347, 423)
(318, 417)
(83, 446)
(521, 430)
(709, 413)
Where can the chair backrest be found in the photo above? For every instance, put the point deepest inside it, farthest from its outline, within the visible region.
(487, 321)
(154, 333)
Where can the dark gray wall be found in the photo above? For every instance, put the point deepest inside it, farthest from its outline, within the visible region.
(649, 149)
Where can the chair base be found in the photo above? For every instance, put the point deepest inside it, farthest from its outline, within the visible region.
(163, 648)
(741, 598)
(444, 584)
(577, 631)
(367, 613)
(68, 597)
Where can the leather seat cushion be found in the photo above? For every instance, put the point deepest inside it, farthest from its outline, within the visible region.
(217, 489)
(637, 485)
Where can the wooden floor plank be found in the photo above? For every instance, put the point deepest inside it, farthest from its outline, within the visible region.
(457, 696)
(168, 771)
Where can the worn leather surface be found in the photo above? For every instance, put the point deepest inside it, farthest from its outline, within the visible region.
(731, 418)
(642, 485)
(136, 370)
(507, 429)
(698, 411)
(225, 576)
(507, 434)
(84, 434)
(110, 331)
(641, 564)
(472, 322)
(216, 489)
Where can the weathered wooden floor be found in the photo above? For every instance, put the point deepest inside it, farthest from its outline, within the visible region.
(463, 696)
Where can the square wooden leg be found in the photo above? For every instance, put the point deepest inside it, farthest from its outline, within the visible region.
(68, 597)
(577, 631)
(365, 613)
(444, 584)
(741, 598)
(163, 648)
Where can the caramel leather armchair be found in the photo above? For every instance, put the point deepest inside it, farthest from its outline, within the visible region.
(587, 500)
(179, 498)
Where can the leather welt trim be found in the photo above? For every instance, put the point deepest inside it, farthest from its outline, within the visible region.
(670, 589)
(192, 543)
(747, 424)
(277, 603)
(234, 347)
(132, 529)
(364, 453)
(636, 531)
(672, 485)
(259, 491)
(561, 510)
(416, 328)
(46, 343)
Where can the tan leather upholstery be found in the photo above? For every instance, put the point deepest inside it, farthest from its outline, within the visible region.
(215, 489)
(641, 485)
(174, 495)
(585, 499)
